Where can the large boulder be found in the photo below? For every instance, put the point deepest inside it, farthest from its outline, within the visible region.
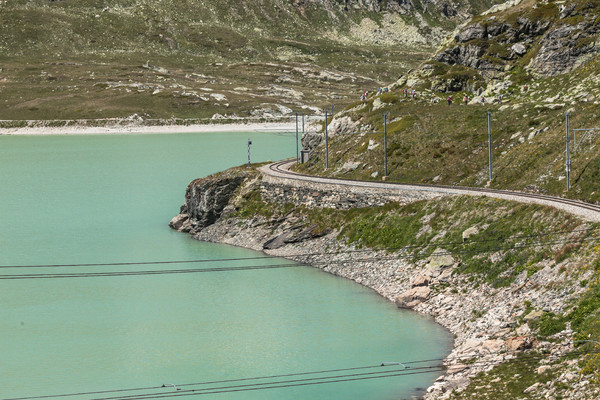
(440, 266)
(467, 233)
(342, 126)
(519, 49)
(439, 260)
(420, 280)
(295, 235)
(474, 31)
(413, 297)
(519, 343)
(180, 222)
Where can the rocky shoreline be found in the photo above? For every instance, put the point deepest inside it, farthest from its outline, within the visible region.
(491, 325)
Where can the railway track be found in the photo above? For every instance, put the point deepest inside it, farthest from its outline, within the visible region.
(588, 211)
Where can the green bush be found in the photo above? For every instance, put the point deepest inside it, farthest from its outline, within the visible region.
(389, 98)
(549, 324)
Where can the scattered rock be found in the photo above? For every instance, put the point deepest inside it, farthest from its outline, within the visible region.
(157, 69)
(377, 104)
(523, 330)
(469, 232)
(519, 49)
(543, 369)
(218, 97)
(456, 368)
(372, 144)
(554, 106)
(350, 166)
(531, 388)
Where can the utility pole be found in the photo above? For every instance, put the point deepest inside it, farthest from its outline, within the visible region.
(326, 143)
(249, 143)
(489, 115)
(568, 166)
(385, 160)
(297, 145)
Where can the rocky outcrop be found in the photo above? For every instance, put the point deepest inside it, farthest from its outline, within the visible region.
(566, 47)
(205, 200)
(471, 32)
(342, 126)
(296, 234)
(468, 55)
(310, 142)
(546, 34)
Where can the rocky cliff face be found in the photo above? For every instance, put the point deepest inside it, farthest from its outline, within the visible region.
(205, 200)
(538, 38)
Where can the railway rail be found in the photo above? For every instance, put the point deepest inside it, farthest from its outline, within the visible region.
(587, 211)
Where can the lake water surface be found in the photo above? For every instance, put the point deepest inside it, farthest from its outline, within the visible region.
(108, 199)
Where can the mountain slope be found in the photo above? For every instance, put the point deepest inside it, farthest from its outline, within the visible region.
(83, 59)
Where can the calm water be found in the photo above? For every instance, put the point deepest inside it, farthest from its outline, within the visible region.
(108, 199)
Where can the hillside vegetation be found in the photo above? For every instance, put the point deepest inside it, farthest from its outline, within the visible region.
(429, 141)
(441, 144)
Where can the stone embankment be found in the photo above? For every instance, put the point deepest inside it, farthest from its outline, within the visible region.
(491, 325)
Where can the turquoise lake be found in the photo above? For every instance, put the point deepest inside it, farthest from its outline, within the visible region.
(108, 199)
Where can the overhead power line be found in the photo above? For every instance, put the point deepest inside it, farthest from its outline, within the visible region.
(278, 266)
(408, 370)
(146, 272)
(264, 257)
(281, 384)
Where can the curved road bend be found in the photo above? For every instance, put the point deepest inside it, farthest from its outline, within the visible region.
(586, 211)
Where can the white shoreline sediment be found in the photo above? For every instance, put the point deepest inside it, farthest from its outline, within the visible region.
(143, 129)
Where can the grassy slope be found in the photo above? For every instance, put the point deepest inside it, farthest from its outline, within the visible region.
(437, 143)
